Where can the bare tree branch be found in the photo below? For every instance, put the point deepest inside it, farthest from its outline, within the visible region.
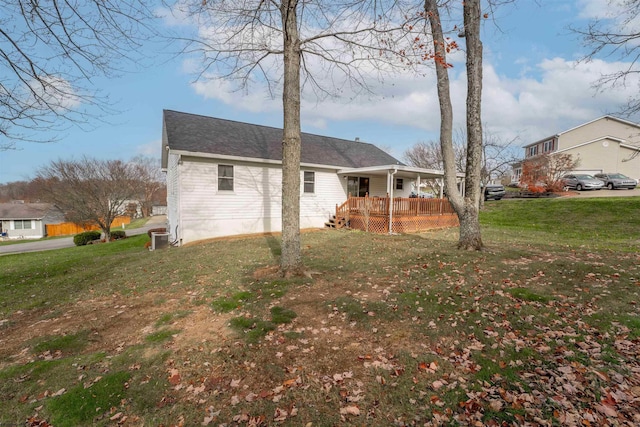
(616, 35)
(49, 53)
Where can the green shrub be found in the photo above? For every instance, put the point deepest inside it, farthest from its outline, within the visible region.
(86, 237)
(118, 234)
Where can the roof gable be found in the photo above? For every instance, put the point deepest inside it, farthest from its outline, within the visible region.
(615, 119)
(208, 135)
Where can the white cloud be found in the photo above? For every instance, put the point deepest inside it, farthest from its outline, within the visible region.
(53, 92)
(534, 101)
(560, 96)
(594, 9)
(622, 15)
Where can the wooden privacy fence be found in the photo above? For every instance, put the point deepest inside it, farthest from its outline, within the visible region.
(408, 215)
(67, 228)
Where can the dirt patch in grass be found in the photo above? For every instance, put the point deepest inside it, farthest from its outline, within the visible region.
(114, 323)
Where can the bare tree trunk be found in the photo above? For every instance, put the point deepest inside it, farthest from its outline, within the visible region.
(291, 259)
(470, 237)
(466, 207)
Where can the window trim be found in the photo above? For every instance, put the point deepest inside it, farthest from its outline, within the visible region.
(22, 227)
(230, 179)
(311, 181)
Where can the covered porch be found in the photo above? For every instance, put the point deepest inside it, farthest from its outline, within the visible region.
(384, 215)
(403, 208)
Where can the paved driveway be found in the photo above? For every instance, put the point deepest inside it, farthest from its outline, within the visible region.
(67, 242)
(607, 193)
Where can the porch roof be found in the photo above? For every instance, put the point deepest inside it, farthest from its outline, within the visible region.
(401, 171)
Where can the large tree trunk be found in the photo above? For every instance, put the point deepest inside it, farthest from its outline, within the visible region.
(470, 237)
(467, 206)
(291, 260)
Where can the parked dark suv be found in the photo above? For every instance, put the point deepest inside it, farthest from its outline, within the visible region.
(616, 180)
(494, 191)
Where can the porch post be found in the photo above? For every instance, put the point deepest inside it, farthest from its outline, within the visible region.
(390, 174)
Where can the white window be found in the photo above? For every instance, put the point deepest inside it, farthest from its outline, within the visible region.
(309, 182)
(533, 150)
(22, 224)
(225, 178)
(548, 146)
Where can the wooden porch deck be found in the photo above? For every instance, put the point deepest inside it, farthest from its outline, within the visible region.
(371, 214)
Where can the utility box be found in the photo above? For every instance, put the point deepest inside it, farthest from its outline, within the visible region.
(159, 241)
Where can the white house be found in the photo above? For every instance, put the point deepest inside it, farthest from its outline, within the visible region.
(224, 177)
(604, 145)
(28, 220)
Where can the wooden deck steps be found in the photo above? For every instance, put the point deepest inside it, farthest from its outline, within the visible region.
(336, 222)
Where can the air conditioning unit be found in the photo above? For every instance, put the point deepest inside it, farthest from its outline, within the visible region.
(159, 241)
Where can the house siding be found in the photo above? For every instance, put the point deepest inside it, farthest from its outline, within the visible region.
(173, 199)
(254, 205)
(606, 156)
(600, 128)
(317, 208)
(35, 232)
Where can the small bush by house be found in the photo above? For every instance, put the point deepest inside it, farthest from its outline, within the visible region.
(86, 237)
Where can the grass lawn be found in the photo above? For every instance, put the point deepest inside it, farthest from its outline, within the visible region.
(542, 328)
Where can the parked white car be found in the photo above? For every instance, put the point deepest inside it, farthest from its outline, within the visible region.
(581, 181)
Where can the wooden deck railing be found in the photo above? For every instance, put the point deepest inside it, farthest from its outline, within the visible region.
(407, 214)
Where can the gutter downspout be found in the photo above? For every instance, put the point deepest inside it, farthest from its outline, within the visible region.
(390, 175)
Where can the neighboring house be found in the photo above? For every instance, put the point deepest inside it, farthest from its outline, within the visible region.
(225, 178)
(28, 220)
(158, 210)
(607, 144)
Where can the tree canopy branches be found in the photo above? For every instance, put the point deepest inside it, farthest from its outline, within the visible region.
(51, 50)
(617, 34)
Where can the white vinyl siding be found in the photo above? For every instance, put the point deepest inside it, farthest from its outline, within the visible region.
(173, 196)
(255, 204)
(317, 208)
(599, 128)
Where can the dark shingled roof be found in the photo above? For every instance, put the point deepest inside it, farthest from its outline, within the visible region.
(24, 210)
(201, 134)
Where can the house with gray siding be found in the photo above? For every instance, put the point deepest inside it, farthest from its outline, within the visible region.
(224, 177)
(28, 220)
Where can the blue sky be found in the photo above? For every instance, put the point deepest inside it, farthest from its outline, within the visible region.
(533, 87)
